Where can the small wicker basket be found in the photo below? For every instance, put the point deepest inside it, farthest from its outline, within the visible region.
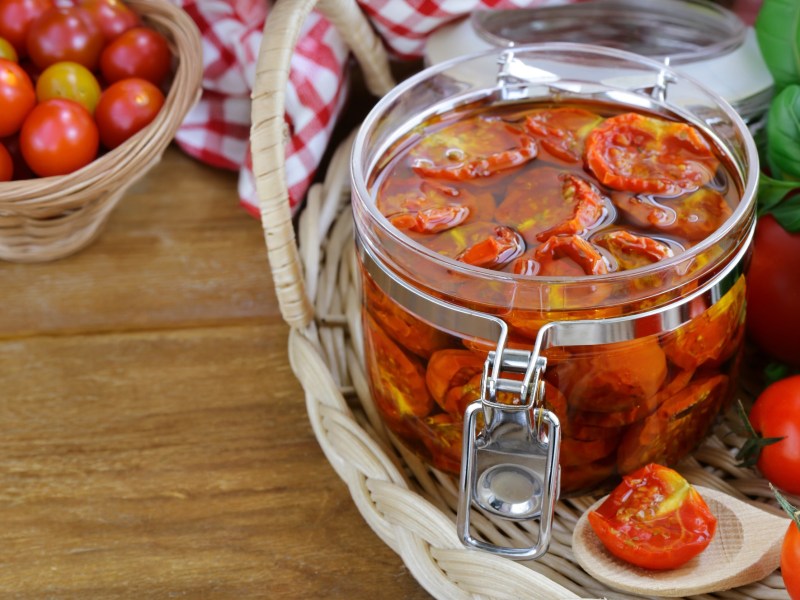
(52, 217)
(410, 506)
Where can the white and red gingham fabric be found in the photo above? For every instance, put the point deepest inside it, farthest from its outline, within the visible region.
(217, 130)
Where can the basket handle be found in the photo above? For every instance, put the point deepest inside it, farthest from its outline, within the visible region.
(268, 133)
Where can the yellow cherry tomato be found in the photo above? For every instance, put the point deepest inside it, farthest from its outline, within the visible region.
(7, 50)
(70, 81)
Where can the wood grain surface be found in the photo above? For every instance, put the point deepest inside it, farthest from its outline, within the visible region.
(154, 440)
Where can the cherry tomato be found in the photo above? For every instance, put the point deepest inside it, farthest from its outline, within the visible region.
(397, 378)
(16, 17)
(676, 427)
(471, 149)
(125, 108)
(613, 377)
(773, 291)
(562, 131)
(535, 203)
(563, 256)
(71, 81)
(790, 559)
(6, 164)
(776, 414)
(431, 208)
(654, 519)
(65, 34)
(411, 333)
(708, 335)
(589, 207)
(140, 52)
(635, 153)
(21, 168)
(7, 51)
(58, 137)
(17, 97)
(113, 17)
(632, 251)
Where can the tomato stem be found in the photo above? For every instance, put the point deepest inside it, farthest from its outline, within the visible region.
(793, 512)
(751, 449)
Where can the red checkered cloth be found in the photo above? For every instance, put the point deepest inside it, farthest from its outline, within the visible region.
(217, 130)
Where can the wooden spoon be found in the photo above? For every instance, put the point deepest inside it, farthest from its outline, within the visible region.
(746, 548)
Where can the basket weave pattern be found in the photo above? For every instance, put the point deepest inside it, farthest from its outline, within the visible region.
(52, 217)
(410, 506)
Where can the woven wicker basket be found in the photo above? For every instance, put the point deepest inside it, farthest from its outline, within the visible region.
(52, 217)
(411, 507)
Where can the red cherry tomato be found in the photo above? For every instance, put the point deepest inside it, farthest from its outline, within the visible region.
(125, 108)
(113, 17)
(7, 51)
(16, 17)
(776, 414)
(773, 291)
(635, 153)
(58, 137)
(6, 164)
(654, 519)
(139, 52)
(17, 97)
(21, 168)
(65, 34)
(71, 81)
(790, 560)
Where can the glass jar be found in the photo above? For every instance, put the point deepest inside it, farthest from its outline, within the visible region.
(548, 385)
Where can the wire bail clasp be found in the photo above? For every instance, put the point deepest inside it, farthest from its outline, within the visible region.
(510, 469)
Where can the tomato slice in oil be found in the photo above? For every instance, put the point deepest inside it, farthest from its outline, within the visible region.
(453, 377)
(613, 377)
(562, 131)
(654, 519)
(636, 153)
(632, 251)
(397, 378)
(562, 256)
(708, 336)
(408, 331)
(472, 148)
(676, 427)
(480, 244)
(589, 208)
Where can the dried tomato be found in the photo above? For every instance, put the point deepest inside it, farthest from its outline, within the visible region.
(480, 244)
(654, 519)
(397, 378)
(636, 153)
(675, 427)
(451, 378)
(632, 251)
(562, 131)
(563, 256)
(589, 207)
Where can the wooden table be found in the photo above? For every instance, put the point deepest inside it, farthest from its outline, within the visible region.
(154, 440)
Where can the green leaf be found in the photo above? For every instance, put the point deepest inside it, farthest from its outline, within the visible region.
(788, 214)
(772, 191)
(793, 512)
(778, 33)
(751, 449)
(783, 132)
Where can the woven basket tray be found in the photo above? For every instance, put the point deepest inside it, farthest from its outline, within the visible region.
(52, 217)
(410, 506)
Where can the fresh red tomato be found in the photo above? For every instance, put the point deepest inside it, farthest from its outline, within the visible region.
(790, 559)
(16, 17)
(654, 519)
(17, 97)
(125, 108)
(773, 291)
(71, 81)
(139, 52)
(635, 153)
(776, 414)
(7, 51)
(65, 34)
(58, 137)
(21, 168)
(113, 17)
(6, 164)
